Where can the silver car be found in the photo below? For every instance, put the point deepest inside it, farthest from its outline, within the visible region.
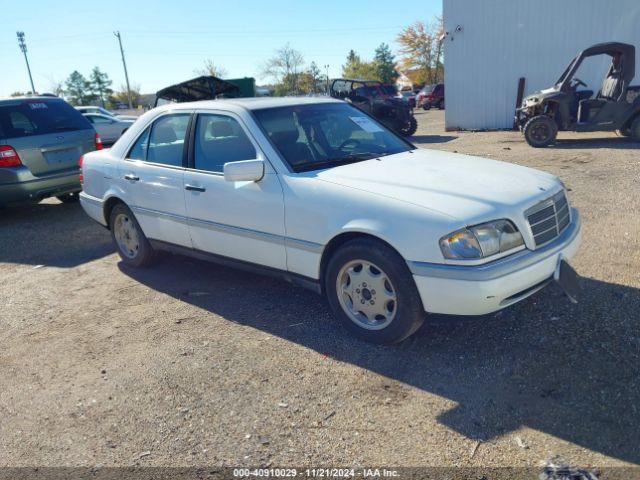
(109, 128)
(41, 142)
(103, 111)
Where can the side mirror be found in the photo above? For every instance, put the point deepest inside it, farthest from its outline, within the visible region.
(244, 171)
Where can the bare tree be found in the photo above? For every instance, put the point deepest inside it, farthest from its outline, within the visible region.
(55, 86)
(285, 68)
(210, 68)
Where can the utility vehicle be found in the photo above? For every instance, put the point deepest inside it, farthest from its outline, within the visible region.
(370, 97)
(616, 106)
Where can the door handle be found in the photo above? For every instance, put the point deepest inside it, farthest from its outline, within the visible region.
(131, 177)
(193, 188)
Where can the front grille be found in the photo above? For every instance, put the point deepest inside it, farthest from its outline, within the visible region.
(549, 219)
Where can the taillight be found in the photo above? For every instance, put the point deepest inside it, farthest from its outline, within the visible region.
(80, 162)
(9, 157)
(98, 142)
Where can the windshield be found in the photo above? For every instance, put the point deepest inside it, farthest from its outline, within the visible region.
(389, 89)
(310, 137)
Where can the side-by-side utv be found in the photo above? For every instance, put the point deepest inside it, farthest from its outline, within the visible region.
(370, 97)
(615, 107)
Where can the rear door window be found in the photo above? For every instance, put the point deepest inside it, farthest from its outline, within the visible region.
(166, 141)
(37, 116)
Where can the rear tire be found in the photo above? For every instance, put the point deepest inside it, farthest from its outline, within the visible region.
(634, 130)
(410, 127)
(441, 105)
(132, 245)
(372, 292)
(540, 131)
(426, 106)
(69, 197)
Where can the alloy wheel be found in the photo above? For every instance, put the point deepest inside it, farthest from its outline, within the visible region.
(366, 295)
(126, 235)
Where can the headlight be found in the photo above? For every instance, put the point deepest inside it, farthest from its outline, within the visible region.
(481, 241)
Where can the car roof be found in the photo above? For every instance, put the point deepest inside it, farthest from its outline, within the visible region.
(31, 97)
(252, 103)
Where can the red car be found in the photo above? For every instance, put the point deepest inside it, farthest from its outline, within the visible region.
(431, 96)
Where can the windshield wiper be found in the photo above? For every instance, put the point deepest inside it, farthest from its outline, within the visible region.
(65, 128)
(332, 162)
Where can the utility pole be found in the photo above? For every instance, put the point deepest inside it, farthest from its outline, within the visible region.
(327, 69)
(23, 48)
(124, 64)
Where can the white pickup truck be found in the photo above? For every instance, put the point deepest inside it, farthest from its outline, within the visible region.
(320, 193)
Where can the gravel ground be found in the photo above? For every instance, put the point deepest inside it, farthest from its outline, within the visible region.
(189, 363)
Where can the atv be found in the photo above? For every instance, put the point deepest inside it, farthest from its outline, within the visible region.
(616, 106)
(370, 97)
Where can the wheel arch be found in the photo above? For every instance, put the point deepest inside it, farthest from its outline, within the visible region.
(108, 206)
(341, 239)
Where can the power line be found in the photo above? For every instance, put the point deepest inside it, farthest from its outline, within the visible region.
(23, 48)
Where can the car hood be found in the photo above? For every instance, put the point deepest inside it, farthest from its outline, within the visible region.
(465, 188)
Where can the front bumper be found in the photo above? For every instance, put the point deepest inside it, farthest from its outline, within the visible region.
(27, 187)
(482, 289)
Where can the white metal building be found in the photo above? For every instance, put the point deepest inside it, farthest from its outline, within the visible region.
(490, 44)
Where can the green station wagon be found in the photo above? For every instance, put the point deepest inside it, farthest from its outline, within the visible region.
(41, 141)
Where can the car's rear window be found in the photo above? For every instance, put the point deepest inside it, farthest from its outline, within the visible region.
(23, 118)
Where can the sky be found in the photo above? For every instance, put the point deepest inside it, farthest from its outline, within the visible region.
(165, 42)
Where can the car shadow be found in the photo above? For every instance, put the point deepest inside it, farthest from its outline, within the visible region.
(432, 138)
(570, 371)
(619, 143)
(51, 234)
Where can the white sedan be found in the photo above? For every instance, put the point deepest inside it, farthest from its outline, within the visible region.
(320, 193)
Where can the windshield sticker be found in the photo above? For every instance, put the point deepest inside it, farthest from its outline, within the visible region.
(366, 124)
(37, 106)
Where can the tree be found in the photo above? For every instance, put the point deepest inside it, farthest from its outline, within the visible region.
(120, 95)
(421, 50)
(312, 80)
(357, 68)
(210, 68)
(99, 84)
(284, 68)
(18, 94)
(385, 64)
(77, 89)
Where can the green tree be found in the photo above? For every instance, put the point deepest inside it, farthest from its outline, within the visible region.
(357, 68)
(312, 80)
(99, 84)
(78, 90)
(385, 64)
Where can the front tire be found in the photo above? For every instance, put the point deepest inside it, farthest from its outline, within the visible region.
(410, 127)
(132, 245)
(372, 292)
(540, 131)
